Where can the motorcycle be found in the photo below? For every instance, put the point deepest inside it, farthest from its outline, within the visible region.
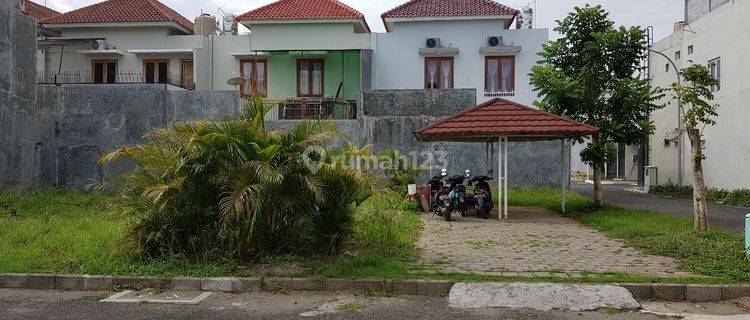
(482, 196)
(437, 190)
(448, 195)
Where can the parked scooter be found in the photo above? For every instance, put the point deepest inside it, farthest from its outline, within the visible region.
(448, 195)
(458, 192)
(440, 196)
(482, 196)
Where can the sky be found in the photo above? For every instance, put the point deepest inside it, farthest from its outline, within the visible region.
(661, 14)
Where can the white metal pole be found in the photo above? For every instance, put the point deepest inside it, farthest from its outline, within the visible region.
(487, 160)
(505, 180)
(565, 174)
(500, 178)
(430, 155)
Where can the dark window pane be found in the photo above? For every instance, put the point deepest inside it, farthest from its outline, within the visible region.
(98, 72)
(150, 72)
(111, 72)
(163, 71)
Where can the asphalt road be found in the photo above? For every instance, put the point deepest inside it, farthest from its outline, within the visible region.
(46, 305)
(732, 218)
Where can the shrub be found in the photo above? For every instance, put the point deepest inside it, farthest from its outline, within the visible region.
(238, 189)
(672, 190)
(398, 170)
(739, 197)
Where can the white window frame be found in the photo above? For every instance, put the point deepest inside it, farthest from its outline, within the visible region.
(714, 67)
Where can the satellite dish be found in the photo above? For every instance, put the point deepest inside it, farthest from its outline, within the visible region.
(236, 81)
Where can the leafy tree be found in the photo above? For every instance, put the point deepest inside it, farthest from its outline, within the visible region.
(695, 94)
(588, 75)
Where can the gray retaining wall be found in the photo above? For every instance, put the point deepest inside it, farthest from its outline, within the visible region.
(391, 116)
(59, 139)
(73, 125)
(18, 125)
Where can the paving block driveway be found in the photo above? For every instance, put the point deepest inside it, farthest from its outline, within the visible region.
(534, 242)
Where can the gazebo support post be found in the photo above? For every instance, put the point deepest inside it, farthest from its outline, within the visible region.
(487, 160)
(564, 174)
(500, 178)
(505, 179)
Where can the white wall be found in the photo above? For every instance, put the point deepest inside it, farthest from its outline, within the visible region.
(397, 63)
(308, 36)
(723, 33)
(123, 39)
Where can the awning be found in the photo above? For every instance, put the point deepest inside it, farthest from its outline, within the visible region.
(502, 121)
(51, 43)
(160, 51)
(250, 54)
(101, 52)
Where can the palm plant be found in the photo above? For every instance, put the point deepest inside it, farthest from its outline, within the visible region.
(237, 188)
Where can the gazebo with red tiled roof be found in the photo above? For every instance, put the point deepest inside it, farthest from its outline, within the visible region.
(502, 121)
(305, 10)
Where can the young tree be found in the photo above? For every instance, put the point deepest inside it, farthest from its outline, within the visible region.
(696, 96)
(589, 75)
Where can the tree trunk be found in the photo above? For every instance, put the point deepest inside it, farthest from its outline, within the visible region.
(700, 202)
(598, 194)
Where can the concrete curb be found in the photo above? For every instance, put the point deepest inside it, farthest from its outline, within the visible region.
(434, 288)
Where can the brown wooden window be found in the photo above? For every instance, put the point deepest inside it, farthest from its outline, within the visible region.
(104, 71)
(156, 71)
(186, 73)
(438, 73)
(255, 72)
(310, 77)
(500, 74)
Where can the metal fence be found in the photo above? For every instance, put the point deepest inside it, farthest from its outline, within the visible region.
(121, 77)
(310, 108)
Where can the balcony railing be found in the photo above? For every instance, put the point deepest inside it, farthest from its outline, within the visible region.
(121, 77)
(311, 108)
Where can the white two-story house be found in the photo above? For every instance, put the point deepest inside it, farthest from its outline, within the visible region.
(436, 44)
(715, 33)
(299, 53)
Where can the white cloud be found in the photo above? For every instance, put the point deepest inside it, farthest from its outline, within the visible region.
(660, 13)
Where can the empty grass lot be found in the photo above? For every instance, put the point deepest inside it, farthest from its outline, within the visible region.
(70, 231)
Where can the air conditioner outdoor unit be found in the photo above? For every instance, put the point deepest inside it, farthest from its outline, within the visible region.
(98, 45)
(432, 43)
(495, 41)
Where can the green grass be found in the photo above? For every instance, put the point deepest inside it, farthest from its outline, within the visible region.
(68, 231)
(385, 229)
(71, 231)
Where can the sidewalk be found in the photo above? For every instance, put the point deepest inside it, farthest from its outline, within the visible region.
(731, 218)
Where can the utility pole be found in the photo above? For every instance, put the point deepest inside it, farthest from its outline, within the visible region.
(679, 117)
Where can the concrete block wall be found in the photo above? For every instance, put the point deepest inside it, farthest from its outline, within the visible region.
(389, 118)
(18, 127)
(72, 126)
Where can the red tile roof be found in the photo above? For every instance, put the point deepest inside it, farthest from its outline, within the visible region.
(449, 8)
(122, 11)
(37, 11)
(500, 117)
(304, 10)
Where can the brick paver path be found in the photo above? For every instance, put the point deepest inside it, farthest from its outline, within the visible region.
(534, 242)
